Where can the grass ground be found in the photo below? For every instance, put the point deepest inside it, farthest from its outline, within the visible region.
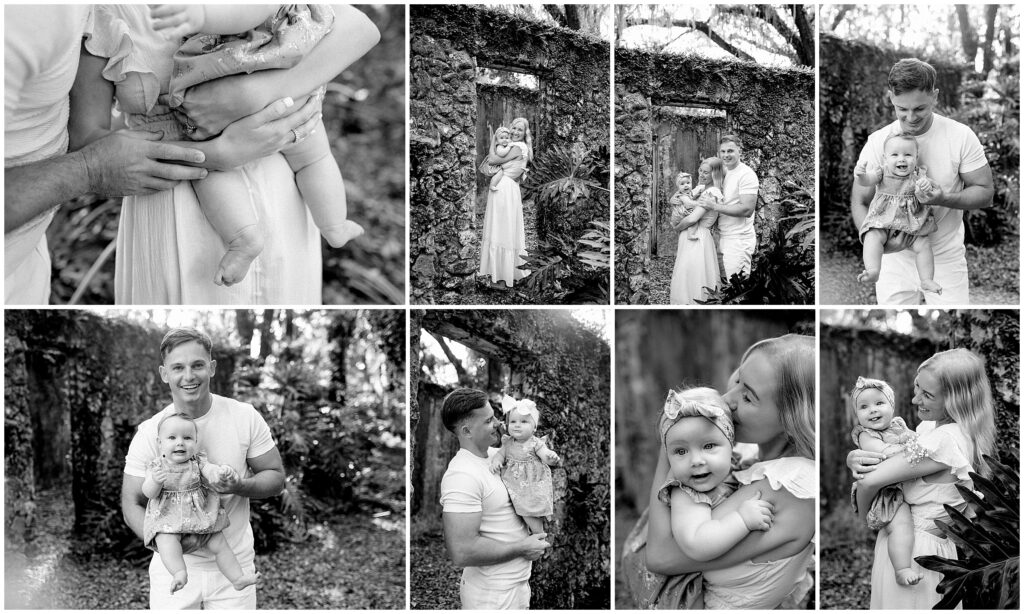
(433, 579)
(846, 554)
(350, 563)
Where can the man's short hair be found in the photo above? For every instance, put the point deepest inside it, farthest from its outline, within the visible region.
(179, 336)
(459, 404)
(911, 74)
(730, 138)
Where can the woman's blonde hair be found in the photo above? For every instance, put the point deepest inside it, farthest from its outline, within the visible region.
(793, 358)
(527, 137)
(967, 398)
(717, 170)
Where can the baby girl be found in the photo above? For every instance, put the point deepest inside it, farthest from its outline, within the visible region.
(229, 40)
(879, 431)
(895, 208)
(524, 461)
(182, 515)
(501, 145)
(684, 181)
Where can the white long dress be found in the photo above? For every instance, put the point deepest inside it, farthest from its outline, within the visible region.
(167, 252)
(504, 242)
(949, 445)
(696, 267)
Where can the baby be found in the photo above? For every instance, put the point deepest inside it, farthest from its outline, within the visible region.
(697, 431)
(268, 37)
(684, 182)
(879, 431)
(182, 515)
(501, 145)
(895, 208)
(524, 461)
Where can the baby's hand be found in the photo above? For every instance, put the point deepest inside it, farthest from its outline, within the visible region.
(227, 479)
(159, 475)
(552, 457)
(867, 170)
(495, 464)
(757, 514)
(174, 21)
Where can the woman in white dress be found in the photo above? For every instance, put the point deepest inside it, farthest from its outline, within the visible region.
(954, 402)
(695, 272)
(504, 242)
(772, 397)
(167, 252)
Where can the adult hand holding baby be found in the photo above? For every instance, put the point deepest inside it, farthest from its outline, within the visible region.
(862, 462)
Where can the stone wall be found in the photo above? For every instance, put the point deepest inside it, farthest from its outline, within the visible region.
(770, 109)
(447, 44)
(854, 103)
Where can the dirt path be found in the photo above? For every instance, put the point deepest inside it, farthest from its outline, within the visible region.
(661, 266)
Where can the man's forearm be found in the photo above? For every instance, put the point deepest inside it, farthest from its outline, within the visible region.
(482, 551)
(739, 209)
(32, 189)
(265, 484)
(969, 199)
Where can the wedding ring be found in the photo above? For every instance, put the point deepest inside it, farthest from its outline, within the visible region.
(295, 134)
(190, 126)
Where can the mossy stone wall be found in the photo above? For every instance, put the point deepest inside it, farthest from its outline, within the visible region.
(447, 44)
(770, 109)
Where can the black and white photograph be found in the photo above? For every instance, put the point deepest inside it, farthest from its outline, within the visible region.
(715, 472)
(919, 146)
(175, 139)
(920, 440)
(714, 154)
(173, 459)
(510, 434)
(509, 154)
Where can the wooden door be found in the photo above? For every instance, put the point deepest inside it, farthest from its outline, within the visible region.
(681, 141)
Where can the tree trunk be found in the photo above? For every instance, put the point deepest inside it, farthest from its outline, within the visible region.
(969, 38)
(991, 10)
(266, 336)
(245, 324)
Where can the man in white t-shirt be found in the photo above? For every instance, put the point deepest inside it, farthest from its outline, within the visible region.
(737, 238)
(230, 433)
(955, 163)
(482, 532)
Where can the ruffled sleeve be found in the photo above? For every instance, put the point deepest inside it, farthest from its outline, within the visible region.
(111, 38)
(945, 444)
(713, 497)
(794, 473)
(858, 430)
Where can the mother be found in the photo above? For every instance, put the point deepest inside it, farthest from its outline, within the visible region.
(504, 242)
(772, 399)
(696, 268)
(167, 252)
(954, 402)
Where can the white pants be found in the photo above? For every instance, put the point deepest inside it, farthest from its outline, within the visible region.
(899, 284)
(475, 597)
(736, 251)
(207, 590)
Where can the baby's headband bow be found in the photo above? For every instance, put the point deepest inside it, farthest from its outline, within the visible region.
(678, 407)
(864, 383)
(526, 406)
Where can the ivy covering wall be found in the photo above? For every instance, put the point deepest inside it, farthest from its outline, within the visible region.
(770, 109)
(447, 44)
(854, 103)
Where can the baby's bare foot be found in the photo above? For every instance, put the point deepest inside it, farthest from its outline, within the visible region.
(929, 285)
(907, 577)
(868, 276)
(242, 250)
(246, 580)
(180, 580)
(342, 233)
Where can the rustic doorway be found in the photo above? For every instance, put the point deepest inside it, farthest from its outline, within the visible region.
(683, 136)
(503, 94)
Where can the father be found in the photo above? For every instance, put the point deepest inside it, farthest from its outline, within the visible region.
(41, 53)
(737, 237)
(230, 433)
(956, 163)
(481, 529)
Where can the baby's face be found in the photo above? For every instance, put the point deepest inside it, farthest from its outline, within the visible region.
(504, 139)
(900, 157)
(177, 440)
(520, 426)
(699, 454)
(684, 183)
(874, 411)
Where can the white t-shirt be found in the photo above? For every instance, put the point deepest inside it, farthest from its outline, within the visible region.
(229, 433)
(740, 181)
(468, 486)
(41, 49)
(947, 150)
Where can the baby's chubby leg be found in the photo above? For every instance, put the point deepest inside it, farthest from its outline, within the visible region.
(874, 243)
(228, 564)
(534, 523)
(322, 187)
(925, 258)
(169, 547)
(224, 199)
(901, 545)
